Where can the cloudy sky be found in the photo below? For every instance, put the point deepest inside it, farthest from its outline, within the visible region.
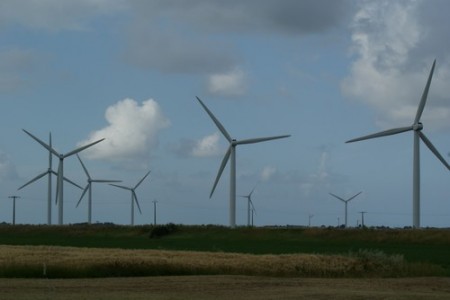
(129, 72)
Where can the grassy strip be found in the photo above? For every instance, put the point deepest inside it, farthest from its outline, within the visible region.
(69, 262)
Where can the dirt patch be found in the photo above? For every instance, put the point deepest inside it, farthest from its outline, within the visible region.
(224, 287)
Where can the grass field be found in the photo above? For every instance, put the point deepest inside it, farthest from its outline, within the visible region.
(319, 252)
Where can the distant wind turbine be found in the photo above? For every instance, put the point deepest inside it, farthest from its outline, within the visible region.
(416, 127)
(60, 174)
(14, 208)
(48, 172)
(346, 202)
(249, 205)
(133, 196)
(231, 155)
(89, 188)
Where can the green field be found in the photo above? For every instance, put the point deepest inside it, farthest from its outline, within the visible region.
(427, 247)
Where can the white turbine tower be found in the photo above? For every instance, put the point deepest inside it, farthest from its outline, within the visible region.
(60, 173)
(48, 172)
(231, 155)
(133, 196)
(416, 127)
(346, 202)
(89, 188)
(249, 205)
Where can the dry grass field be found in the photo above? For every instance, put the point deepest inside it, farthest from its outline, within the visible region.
(73, 262)
(225, 288)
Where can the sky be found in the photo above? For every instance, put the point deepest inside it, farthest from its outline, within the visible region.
(129, 71)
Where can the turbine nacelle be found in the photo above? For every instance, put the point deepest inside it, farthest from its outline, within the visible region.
(417, 127)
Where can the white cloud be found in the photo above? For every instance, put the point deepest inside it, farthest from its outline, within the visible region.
(131, 134)
(207, 146)
(267, 173)
(228, 84)
(391, 40)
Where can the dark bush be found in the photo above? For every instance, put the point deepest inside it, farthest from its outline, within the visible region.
(162, 230)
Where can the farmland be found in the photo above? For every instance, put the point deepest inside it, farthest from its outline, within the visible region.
(144, 251)
(117, 262)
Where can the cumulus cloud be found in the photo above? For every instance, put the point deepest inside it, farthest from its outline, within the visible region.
(391, 42)
(228, 84)
(267, 173)
(207, 146)
(131, 133)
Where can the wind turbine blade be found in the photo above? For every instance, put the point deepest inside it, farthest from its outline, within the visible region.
(142, 179)
(252, 191)
(67, 179)
(84, 167)
(263, 139)
(121, 186)
(433, 149)
(423, 100)
(49, 152)
(82, 195)
(105, 180)
(34, 179)
(253, 207)
(216, 121)
(351, 198)
(382, 133)
(222, 167)
(42, 143)
(137, 202)
(337, 197)
(82, 148)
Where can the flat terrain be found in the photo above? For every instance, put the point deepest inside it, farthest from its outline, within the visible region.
(224, 287)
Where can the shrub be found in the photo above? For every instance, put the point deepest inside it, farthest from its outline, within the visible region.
(162, 230)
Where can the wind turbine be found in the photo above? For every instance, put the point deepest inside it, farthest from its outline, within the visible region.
(49, 172)
(346, 202)
(133, 196)
(416, 127)
(60, 174)
(249, 205)
(89, 188)
(231, 155)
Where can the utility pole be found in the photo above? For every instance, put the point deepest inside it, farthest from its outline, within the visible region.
(14, 208)
(362, 217)
(154, 212)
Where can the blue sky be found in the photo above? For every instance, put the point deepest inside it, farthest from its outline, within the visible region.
(129, 72)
